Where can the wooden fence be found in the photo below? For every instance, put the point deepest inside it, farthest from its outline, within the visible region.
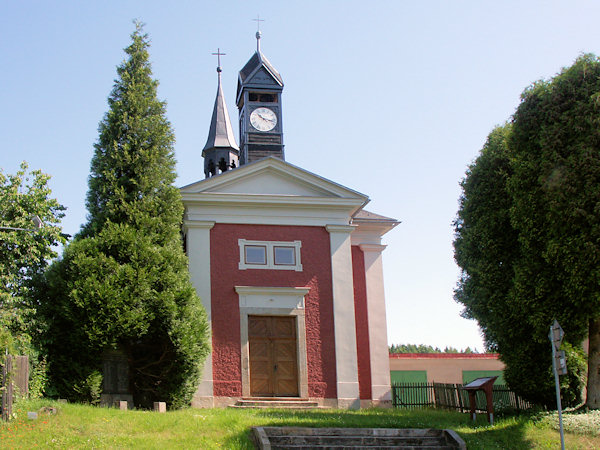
(451, 396)
(14, 380)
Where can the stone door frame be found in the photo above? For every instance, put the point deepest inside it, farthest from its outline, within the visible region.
(273, 301)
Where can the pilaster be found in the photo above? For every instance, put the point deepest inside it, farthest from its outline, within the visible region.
(343, 313)
(378, 345)
(198, 252)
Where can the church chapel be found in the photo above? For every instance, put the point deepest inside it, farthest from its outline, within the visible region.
(288, 265)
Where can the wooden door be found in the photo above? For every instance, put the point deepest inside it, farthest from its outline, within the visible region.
(273, 361)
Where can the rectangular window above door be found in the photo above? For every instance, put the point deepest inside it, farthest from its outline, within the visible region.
(274, 255)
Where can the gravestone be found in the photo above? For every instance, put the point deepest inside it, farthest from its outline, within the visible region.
(115, 379)
(160, 407)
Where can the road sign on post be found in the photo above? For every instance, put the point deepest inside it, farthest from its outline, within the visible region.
(556, 334)
(561, 362)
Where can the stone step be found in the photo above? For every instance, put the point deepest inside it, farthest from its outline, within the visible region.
(310, 431)
(279, 399)
(268, 406)
(358, 447)
(276, 402)
(355, 438)
(362, 441)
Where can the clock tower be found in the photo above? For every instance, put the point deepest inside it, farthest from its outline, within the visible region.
(259, 104)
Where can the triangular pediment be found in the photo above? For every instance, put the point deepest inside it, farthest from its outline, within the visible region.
(272, 177)
(269, 182)
(258, 62)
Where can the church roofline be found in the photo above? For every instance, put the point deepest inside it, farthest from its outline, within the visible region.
(279, 164)
(370, 217)
(368, 221)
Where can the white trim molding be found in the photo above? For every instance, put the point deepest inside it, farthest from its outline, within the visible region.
(202, 224)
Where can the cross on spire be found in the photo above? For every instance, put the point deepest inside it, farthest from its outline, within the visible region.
(258, 20)
(219, 54)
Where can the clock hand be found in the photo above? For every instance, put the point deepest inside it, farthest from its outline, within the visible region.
(266, 118)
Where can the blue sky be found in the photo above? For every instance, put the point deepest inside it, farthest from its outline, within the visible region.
(391, 98)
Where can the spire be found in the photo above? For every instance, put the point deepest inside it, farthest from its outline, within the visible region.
(221, 151)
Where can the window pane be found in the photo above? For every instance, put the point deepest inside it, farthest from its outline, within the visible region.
(255, 254)
(285, 256)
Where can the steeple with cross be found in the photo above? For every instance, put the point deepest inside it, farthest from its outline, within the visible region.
(259, 103)
(221, 151)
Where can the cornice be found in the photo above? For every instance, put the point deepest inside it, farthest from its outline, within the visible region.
(204, 224)
(372, 247)
(258, 290)
(340, 228)
(232, 200)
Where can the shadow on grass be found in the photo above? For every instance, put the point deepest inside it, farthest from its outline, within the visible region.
(506, 433)
(241, 440)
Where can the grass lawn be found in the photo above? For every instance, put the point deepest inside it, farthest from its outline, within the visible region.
(81, 426)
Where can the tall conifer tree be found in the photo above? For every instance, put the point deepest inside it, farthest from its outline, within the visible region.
(528, 235)
(123, 283)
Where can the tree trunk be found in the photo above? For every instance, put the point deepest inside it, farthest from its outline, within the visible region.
(593, 382)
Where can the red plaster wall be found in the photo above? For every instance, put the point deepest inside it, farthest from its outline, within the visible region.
(362, 323)
(316, 274)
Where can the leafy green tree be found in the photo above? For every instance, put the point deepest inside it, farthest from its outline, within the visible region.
(25, 249)
(422, 348)
(556, 207)
(527, 234)
(123, 283)
(485, 240)
(487, 250)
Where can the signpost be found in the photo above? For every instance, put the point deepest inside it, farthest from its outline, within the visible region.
(559, 367)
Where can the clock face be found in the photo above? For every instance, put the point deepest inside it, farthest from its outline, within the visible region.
(263, 119)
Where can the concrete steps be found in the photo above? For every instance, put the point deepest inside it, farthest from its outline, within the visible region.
(272, 438)
(276, 402)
